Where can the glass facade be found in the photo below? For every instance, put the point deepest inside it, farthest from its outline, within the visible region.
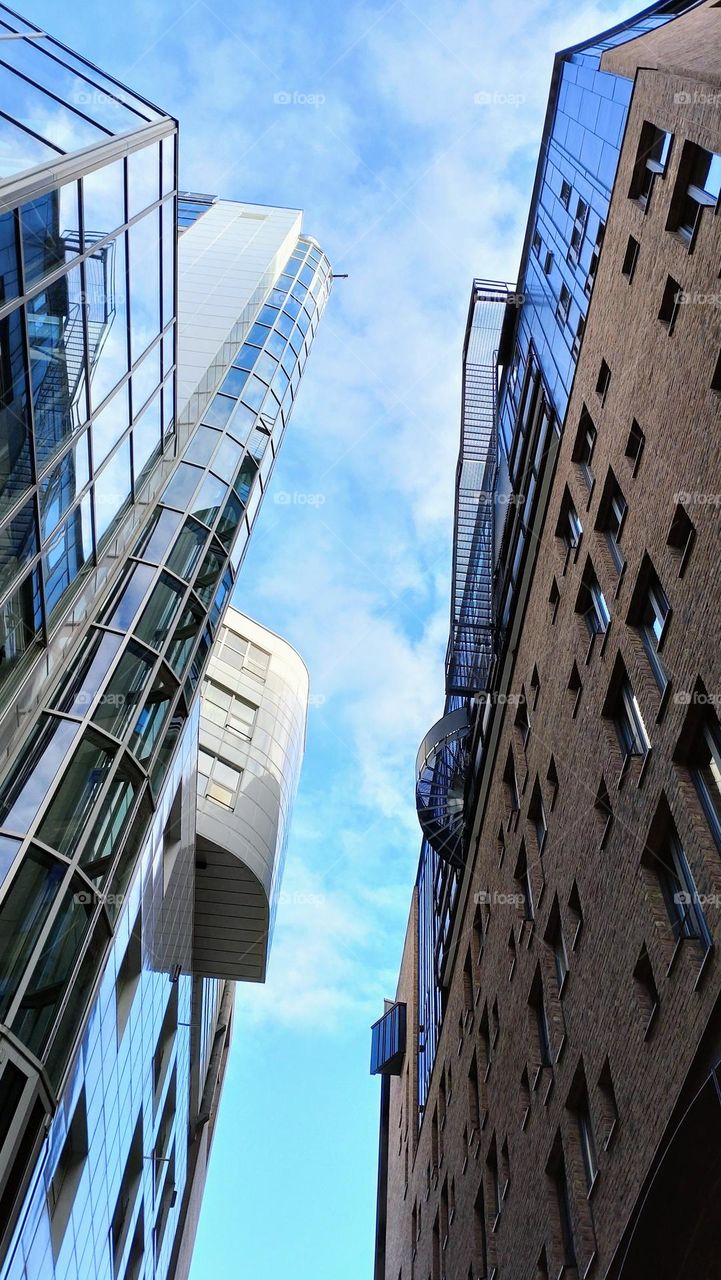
(87, 302)
(97, 802)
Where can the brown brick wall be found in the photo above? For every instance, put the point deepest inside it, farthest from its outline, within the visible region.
(597, 1022)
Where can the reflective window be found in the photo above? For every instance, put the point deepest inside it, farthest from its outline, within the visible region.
(68, 550)
(168, 260)
(79, 994)
(9, 259)
(245, 477)
(168, 157)
(53, 969)
(30, 778)
(209, 500)
(158, 535)
(234, 382)
(104, 200)
(226, 459)
(221, 597)
(254, 393)
(202, 444)
(183, 641)
(160, 613)
(62, 485)
(143, 178)
(122, 697)
(105, 271)
(66, 817)
(182, 486)
(125, 603)
(57, 362)
(18, 544)
(109, 829)
(218, 411)
(152, 719)
(20, 623)
(88, 672)
(146, 377)
(50, 229)
(109, 425)
(210, 571)
(230, 519)
(144, 275)
(15, 466)
(22, 916)
(112, 489)
(242, 423)
(188, 549)
(146, 438)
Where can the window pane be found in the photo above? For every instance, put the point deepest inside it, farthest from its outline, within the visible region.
(50, 231)
(144, 270)
(201, 446)
(106, 269)
(143, 178)
(29, 781)
(146, 378)
(70, 548)
(57, 362)
(160, 612)
(66, 818)
(112, 489)
(36, 1015)
(188, 549)
(183, 641)
(15, 470)
(82, 986)
(182, 486)
(123, 607)
(109, 425)
(22, 916)
(18, 544)
(146, 439)
(9, 260)
(122, 697)
(151, 720)
(208, 502)
(87, 672)
(219, 411)
(158, 536)
(105, 839)
(104, 200)
(62, 485)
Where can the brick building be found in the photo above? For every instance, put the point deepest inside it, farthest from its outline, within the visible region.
(559, 1112)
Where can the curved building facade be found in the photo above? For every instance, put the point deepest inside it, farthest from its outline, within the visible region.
(252, 735)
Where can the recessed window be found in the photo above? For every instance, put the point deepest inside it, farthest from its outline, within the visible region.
(625, 712)
(523, 880)
(578, 338)
(698, 186)
(584, 446)
(521, 720)
(716, 380)
(681, 536)
(537, 816)
(555, 940)
(602, 807)
(128, 978)
(651, 161)
(634, 446)
(554, 599)
(595, 259)
(68, 1171)
(670, 303)
(665, 860)
(565, 193)
(575, 687)
(228, 709)
(630, 258)
(705, 763)
(509, 777)
(548, 263)
(218, 780)
(611, 517)
(587, 1140)
(603, 381)
(564, 304)
(646, 989)
(537, 1004)
(537, 242)
(569, 528)
(650, 612)
(591, 602)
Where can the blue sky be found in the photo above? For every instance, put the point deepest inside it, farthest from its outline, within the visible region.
(413, 185)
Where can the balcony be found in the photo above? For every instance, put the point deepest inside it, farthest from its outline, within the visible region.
(388, 1042)
(441, 772)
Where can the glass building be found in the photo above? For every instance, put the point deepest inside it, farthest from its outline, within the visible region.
(520, 352)
(147, 380)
